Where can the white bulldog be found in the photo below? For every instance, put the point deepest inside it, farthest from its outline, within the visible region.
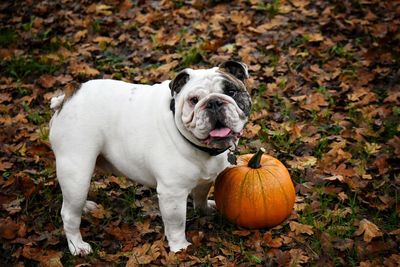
(173, 136)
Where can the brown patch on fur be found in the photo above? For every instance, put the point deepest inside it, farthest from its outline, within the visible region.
(69, 90)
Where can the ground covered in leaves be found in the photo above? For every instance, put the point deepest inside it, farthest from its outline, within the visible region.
(325, 82)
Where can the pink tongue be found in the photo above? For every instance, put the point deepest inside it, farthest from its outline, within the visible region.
(222, 132)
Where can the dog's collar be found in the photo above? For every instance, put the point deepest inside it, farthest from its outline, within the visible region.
(210, 151)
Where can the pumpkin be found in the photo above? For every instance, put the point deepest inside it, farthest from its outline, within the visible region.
(256, 193)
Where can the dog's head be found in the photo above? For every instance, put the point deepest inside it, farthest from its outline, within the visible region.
(212, 105)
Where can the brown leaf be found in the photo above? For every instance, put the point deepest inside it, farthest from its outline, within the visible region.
(314, 102)
(369, 229)
(302, 162)
(13, 206)
(122, 182)
(240, 18)
(299, 228)
(251, 130)
(299, 257)
(167, 67)
(79, 35)
(102, 39)
(274, 23)
(269, 241)
(315, 37)
(8, 229)
(259, 115)
(5, 97)
(45, 257)
(144, 255)
(241, 232)
(103, 10)
(81, 68)
(343, 244)
(393, 97)
(125, 6)
(393, 260)
(4, 165)
(123, 232)
(27, 185)
(100, 212)
(382, 164)
(47, 81)
(395, 143)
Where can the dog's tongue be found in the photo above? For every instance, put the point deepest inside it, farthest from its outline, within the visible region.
(221, 132)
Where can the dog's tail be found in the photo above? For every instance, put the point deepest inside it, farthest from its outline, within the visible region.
(57, 101)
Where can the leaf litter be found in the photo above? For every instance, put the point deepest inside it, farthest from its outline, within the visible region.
(325, 84)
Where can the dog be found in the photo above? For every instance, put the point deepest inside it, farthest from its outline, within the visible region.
(173, 136)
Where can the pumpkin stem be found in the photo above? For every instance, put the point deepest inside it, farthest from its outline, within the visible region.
(254, 162)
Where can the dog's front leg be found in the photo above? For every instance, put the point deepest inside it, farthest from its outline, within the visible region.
(172, 204)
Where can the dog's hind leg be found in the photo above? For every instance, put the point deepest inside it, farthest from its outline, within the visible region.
(200, 198)
(74, 173)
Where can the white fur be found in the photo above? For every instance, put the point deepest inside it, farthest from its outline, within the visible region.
(133, 128)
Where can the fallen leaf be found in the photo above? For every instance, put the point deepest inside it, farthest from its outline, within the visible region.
(315, 37)
(101, 39)
(46, 257)
(251, 130)
(14, 206)
(8, 228)
(298, 257)
(299, 228)
(5, 97)
(47, 81)
(79, 35)
(395, 143)
(369, 229)
(269, 241)
(392, 261)
(82, 68)
(343, 244)
(315, 102)
(302, 162)
(144, 255)
(100, 212)
(4, 165)
(121, 181)
(241, 232)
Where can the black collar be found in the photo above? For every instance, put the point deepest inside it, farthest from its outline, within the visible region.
(210, 151)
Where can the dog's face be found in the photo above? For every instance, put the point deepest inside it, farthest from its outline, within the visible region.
(212, 105)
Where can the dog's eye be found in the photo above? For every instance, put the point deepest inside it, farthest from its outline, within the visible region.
(231, 93)
(194, 100)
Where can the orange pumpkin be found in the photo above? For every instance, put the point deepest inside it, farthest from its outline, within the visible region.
(256, 193)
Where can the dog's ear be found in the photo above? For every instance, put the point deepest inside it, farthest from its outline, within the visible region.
(237, 69)
(180, 80)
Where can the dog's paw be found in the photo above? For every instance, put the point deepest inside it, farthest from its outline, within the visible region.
(179, 246)
(210, 208)
(89, 206)
(79, 248)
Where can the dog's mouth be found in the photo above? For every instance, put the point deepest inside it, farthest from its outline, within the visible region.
(221, 134)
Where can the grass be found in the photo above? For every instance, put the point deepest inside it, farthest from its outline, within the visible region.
(270, 9)
(321, 147)
(7, 37)
(109, 60)
(191, 57)
(37, 117)
(333, 217)
(20, 68)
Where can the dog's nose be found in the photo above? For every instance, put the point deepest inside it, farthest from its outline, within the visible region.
(214, 104)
